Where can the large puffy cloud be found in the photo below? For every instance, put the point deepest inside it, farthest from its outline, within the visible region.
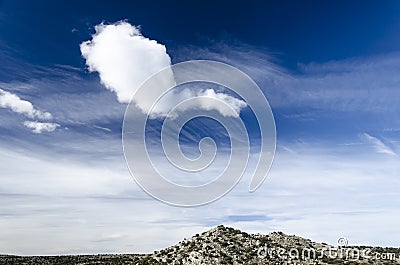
(124, 59)
(16, 104)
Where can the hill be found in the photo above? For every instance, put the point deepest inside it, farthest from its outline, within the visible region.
(225, 245)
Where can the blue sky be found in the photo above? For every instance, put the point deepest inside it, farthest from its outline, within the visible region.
(330, 72)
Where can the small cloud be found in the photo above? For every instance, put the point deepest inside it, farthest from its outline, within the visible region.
(102, 128)
(378, 145)
(248, 218)
(206, 99)
(18, 105)
(39, 127)
(234, 103)
(110, 237)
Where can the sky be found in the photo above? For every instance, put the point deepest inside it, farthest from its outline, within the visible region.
(329, 70)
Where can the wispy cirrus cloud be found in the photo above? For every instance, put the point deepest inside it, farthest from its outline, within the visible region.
(364, 84)
(379, 146)
(308, 186)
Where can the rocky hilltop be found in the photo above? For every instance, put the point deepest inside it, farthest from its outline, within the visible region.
(225, 245)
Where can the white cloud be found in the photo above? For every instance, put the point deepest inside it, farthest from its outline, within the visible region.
(234, 103)
(39, 127)
(378, 145)
(24, 107)
(223, 103)
(17, 105)
(124, 59)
